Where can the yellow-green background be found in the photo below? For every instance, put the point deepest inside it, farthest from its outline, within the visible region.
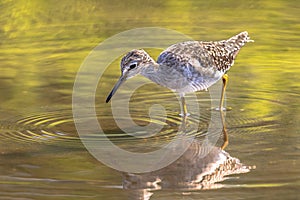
(43, 43)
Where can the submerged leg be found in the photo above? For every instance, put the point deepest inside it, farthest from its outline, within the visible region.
(225, 134)
(225, 81)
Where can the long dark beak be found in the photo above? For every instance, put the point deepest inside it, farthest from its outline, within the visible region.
(113, 91)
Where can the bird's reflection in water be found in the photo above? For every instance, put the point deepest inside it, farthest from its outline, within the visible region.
(200, 167)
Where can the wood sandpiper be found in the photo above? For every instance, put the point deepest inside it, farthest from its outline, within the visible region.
(185, 67)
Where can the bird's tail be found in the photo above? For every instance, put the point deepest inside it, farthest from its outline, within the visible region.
(235, 43)
(240, 39)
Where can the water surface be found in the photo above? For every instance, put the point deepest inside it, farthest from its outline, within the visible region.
(42, 47)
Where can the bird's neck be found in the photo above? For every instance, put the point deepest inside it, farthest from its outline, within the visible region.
(150, 71)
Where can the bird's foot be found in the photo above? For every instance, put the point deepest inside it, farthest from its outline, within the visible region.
(184, 114)
(222, 108)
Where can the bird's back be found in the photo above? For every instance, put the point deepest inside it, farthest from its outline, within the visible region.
(199, 64)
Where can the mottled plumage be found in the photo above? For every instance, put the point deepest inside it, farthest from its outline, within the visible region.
(184, 67)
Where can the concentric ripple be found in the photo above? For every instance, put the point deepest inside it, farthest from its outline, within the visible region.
(57, 127)
(50, 128)
(255, 113)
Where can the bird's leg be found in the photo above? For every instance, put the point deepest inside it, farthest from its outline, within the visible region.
(183, 106)
(224, 130)
(184, 112)
(225, 81)
(222, 111)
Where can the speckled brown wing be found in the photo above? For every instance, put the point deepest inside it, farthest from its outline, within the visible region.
(202, 63)
(193, 62)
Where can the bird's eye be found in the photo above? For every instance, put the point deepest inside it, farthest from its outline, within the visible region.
(132, 66)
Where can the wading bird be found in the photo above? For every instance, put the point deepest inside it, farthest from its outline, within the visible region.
(185, 67)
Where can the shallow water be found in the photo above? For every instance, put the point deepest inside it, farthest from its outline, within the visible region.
(43, 45)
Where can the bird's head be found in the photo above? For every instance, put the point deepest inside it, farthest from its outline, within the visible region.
(131, 65)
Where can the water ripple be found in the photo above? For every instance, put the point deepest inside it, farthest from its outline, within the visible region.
(57, 127)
